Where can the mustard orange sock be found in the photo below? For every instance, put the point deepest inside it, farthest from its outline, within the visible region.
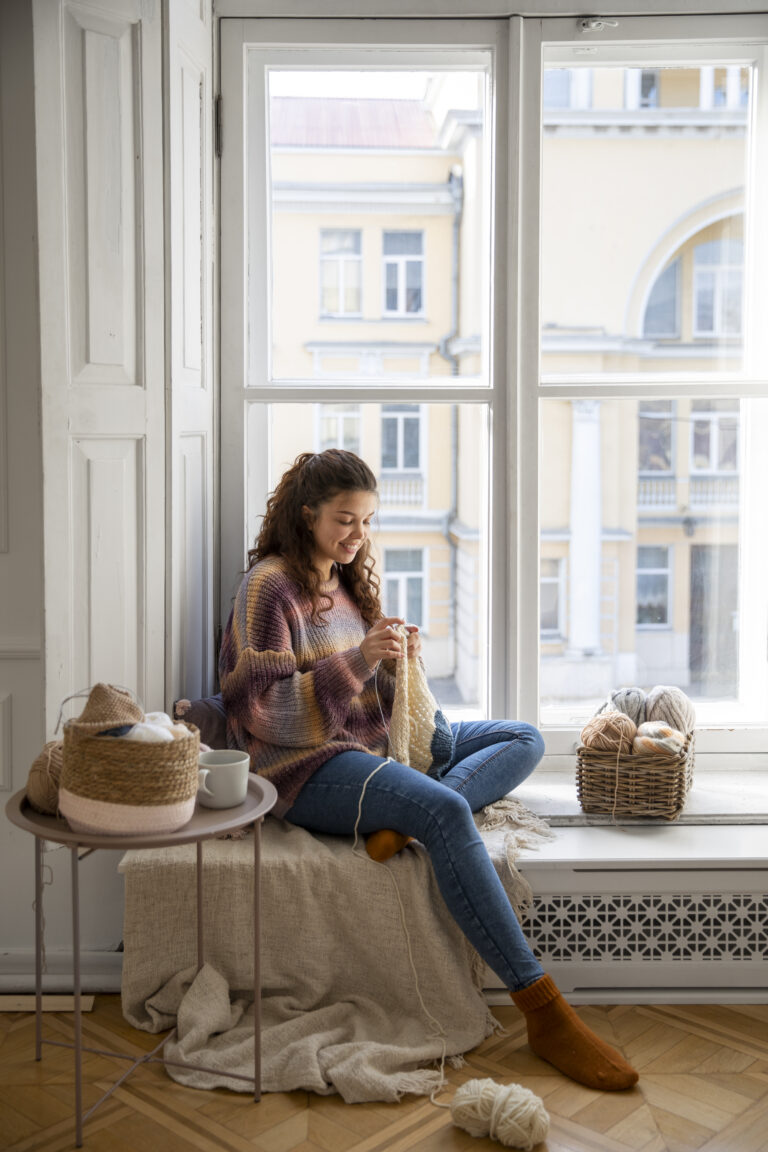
(383, 845)
(556, 1034)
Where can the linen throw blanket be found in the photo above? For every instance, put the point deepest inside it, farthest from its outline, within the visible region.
(340, 1008)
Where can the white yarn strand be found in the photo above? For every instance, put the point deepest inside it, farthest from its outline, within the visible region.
(439, 1032)
(511, 1114)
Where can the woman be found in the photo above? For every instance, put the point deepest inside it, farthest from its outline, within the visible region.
(307, 676)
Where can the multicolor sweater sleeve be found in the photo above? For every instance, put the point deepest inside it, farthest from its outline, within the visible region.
(297, 692)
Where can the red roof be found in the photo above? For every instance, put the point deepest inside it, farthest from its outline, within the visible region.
(326, 122)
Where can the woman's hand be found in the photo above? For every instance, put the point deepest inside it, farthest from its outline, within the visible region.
(382, 641)
(414, 641)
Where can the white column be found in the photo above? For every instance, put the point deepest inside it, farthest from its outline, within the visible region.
(632, 87)
(733, 86)
(707, 86)
(581, 88)
(586, 523)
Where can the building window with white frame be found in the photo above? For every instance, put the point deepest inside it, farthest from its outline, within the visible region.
(654, 436)
(653, 586)
(338, 426)
(341, 278)
(404, 584)
(403, 254)
(718, 267)
(400, 437)
(714, 436)
(551, 598)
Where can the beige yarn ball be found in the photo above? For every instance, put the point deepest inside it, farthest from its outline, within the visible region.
(509, 1113)
(667, 704)
(610, 731)
(659, 739)
(44, 777)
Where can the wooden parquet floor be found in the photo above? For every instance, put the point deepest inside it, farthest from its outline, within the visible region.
(703, 1087)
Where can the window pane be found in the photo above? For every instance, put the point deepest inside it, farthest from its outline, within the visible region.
(389, 443)
(654, 437)
(378, 149)
(632, 279)
(429, 539)
(661, 310)
(557, 88)
(402, 243)
(413, 286)
(666, 576)
(410, 443)
(549, 606)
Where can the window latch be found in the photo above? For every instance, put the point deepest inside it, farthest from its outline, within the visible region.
(595, 24)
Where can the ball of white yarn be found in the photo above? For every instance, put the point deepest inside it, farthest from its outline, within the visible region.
(630, 701)
(669, 705)
(509, 1113)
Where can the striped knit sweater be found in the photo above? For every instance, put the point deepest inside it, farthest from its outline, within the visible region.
(297, 693)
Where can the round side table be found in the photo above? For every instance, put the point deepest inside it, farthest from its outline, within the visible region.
(206, 824)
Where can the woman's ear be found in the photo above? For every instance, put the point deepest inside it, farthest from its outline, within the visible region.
(308, 514)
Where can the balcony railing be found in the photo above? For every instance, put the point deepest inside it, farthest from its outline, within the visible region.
(714, 490)
(404, 488)
(669, 491)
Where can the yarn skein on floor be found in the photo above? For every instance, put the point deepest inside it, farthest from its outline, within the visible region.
(509, 1113)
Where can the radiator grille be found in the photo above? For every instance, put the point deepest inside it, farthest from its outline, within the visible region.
(637, 927)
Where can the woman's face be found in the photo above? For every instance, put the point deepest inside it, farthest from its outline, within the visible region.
(340, 527)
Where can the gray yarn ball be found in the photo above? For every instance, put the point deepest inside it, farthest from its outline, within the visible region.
(630, 701)
(667, 704)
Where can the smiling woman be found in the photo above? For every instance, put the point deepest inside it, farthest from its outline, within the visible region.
(340, 527)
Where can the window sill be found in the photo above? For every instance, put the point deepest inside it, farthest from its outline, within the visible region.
(737, 797)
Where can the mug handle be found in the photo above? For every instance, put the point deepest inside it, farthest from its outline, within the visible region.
(202, 776)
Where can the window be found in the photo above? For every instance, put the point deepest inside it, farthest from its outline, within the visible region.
(403, 273)
(400, 437)
(548, 404)
(551, 597)
(714, 436)
(652, 587)
(404, 584)
(662, 313)
(654, 425)
(557, 88)
(717, 287)
(340, 272)
(339, 427)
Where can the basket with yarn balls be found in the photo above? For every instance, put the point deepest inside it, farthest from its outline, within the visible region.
(636, 755)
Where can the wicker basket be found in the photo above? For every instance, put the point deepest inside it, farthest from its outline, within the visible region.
(635, 784)
(122, 787)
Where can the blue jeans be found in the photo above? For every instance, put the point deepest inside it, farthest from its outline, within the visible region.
(491, 757)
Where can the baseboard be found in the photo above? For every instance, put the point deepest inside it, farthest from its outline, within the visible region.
(99, 972)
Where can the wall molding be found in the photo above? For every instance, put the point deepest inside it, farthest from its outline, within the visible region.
(20, 650)
(6, 774)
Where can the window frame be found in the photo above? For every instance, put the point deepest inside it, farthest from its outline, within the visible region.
(401, 577)
(720, 273)
(668, 572)
(515, 386)
(341, 262)
(401, 262)
(339, 416)
(400, 418)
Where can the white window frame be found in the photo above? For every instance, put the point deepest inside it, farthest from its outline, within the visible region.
(720, 272)
(400, 262)
(320, 415)
(713, 418)
(515, 385)
(402, 591)
(341, 261)
(667, 571)
(400, 418)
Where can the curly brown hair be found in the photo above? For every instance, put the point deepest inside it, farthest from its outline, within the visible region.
(312, 480)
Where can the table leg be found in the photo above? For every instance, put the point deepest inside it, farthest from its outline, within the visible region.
(256, 962)
(38, 948)
(78, 1015)
(199, 877)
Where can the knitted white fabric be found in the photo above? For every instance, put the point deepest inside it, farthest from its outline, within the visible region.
(419, 734)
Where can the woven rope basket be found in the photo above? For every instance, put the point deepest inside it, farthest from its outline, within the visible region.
(635, 784)
(125, 787)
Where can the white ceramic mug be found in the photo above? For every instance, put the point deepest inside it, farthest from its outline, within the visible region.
(222, 778)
